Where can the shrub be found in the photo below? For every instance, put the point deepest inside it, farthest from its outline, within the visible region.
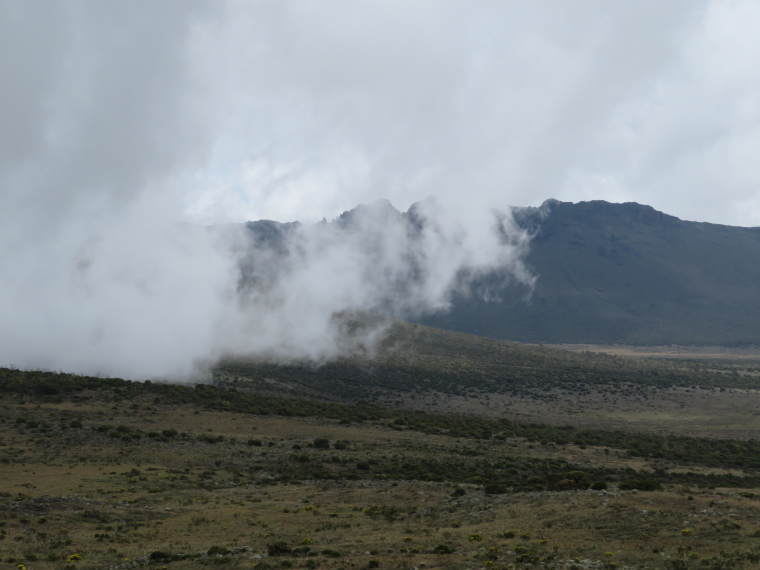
(254, 442)
(580, 478)
(331, 553)
(598, 486)
(279, 548)
(322, 443)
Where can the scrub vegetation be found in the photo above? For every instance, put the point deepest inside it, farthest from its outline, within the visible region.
(108, 473)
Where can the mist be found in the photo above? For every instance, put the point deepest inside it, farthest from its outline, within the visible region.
(139, 297)
(137, 139)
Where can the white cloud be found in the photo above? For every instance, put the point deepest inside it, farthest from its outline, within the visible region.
(120, 122)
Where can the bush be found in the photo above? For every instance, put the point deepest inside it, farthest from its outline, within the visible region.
(580, 478)
(279, 548)
(331, 553)
(322, 443)
(254, 442)
(598, 486)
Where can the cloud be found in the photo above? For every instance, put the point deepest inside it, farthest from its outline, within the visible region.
(304, 284)
(122, 124)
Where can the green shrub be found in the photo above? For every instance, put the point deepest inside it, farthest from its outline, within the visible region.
(331, 553)
(279, 548)
(218, 551)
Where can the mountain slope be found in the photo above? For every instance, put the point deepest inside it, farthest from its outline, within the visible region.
(623, 273)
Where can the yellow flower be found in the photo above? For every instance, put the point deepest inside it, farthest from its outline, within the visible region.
(74, 557)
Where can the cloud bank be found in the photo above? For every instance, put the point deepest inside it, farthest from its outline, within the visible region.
(123, 127)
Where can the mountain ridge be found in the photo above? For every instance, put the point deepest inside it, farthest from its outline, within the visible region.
(606, 273)
(624, 273)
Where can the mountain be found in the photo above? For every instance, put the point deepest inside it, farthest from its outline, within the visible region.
(605, 273)
(623, 273)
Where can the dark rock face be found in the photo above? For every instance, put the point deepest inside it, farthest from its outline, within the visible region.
(623, 273)
(606, 273)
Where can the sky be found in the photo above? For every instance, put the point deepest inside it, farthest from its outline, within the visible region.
(123, 126)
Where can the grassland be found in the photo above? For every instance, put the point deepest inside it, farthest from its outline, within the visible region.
(702, 391)
(443, 451)
(127, 475)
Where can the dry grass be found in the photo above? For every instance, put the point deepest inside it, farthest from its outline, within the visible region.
(727, 414)
(700, 353)
(113, 502)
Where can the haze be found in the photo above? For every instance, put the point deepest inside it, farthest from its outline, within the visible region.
(127, 127)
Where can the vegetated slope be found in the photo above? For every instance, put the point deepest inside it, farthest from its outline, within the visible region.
(93, 396)
(606, 273)
(418, 358)
(106, 473)
(622, 273)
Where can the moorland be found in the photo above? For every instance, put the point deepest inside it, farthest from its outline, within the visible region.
(439, 450)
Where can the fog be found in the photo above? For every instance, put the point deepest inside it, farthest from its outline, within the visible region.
(136, 138)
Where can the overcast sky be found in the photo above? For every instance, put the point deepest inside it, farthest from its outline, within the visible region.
(301, 109)
(120, 122)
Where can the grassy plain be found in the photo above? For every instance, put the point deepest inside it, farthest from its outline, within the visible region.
(118, 501)
(427, 456)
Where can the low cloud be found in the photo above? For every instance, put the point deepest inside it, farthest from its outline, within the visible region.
(138, 297)
(302, 283)
(133, 135)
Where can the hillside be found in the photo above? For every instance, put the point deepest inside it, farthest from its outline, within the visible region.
(106, 473)
(606, 273)
(434, 370)
(623, 273)
(351, 464)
